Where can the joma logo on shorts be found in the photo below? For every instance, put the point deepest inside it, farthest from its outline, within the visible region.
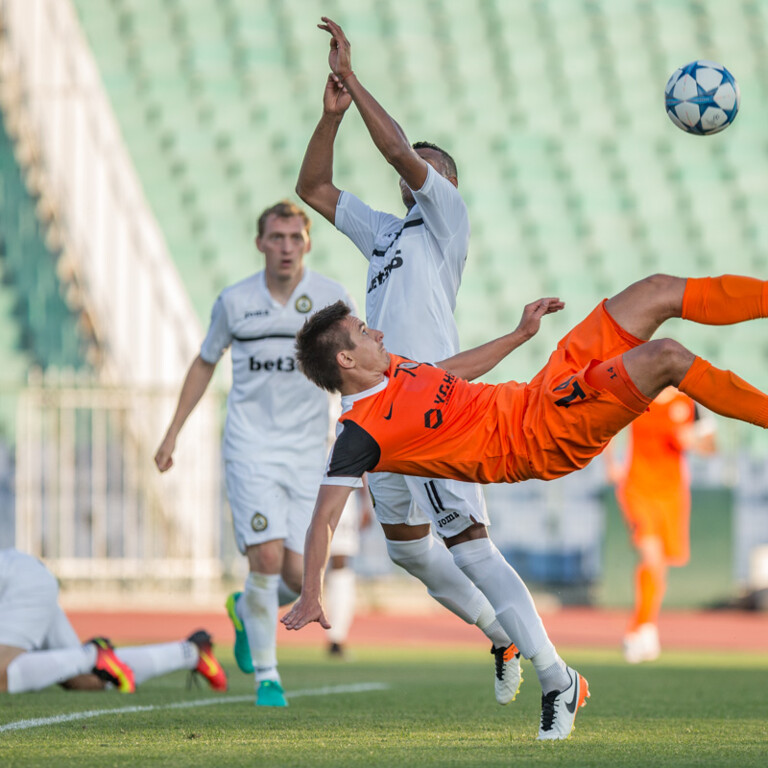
(384, 274)
(285, 364)
(447, 519)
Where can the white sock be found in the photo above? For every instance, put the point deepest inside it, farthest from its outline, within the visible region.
(339, 597)
(285, 595)
(491, 626)
(35, 670)
(505, 590)
(434, 566)
(551, 669)
(258, 611)
(149, 661)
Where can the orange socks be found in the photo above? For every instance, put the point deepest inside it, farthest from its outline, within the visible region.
(724, 300)
(650, 586)
(725, 393)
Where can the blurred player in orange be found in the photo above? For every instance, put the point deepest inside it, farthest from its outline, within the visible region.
(653, 491)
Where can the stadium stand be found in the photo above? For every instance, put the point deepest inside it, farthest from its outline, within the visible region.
(576, 181)
(37, 327)
(573, 174)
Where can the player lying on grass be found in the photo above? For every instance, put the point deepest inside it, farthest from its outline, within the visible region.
(405, 416)
(39, 647)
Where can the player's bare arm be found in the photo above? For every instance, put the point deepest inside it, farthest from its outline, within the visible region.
(315, 184)
(475, 362)
(387, 135)
(196, 382)
(328, 508)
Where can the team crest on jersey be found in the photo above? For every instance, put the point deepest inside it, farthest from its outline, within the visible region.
(303, 304)
(259, 523)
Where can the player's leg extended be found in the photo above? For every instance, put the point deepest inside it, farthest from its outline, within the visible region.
(642, 307)
(195, 654)
(663, 362)
(563, 689)
(410, 545)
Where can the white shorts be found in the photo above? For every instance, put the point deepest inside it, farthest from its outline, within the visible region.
(346, 537)
(271, 501)
(31, 617)
(450, 505)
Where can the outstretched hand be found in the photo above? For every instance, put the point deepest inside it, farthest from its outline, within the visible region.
(532, 313)
(304, 612)
(340, 57)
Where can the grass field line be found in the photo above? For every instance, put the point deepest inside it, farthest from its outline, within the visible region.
(38, 722)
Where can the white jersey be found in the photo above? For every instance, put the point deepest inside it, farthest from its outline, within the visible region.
(274, 413)
(415, 267)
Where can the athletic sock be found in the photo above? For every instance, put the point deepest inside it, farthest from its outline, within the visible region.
(550, 669)
(339, 599)
(285, 595)
(491, 627)
(258, 611)
(486, 567)
(650, 586)
(725, 393)
(149, 661)
(35, 670)
(435, 567)
(724, 300)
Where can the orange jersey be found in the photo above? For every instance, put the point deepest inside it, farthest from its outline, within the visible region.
(424, 421)
(655, 493)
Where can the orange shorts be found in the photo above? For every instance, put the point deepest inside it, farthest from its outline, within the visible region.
(568, 421)
(661, 512)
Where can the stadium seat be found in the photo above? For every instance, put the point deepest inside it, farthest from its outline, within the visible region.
(573, 174)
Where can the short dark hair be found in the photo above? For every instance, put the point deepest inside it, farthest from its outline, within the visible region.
(285, 209)
(449, 164)
(318, 342)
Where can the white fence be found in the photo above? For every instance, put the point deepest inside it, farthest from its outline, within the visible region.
(90, 501)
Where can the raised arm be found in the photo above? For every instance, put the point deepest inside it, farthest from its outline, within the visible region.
(475, 362)
(315, 184)
(196, 382)
(328, 508)
(387, 135)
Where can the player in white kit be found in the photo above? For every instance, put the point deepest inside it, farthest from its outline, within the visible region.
(415, 270)
(39, 647)
(275, 438)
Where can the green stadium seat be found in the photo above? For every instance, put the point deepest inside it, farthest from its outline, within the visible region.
(575, 178)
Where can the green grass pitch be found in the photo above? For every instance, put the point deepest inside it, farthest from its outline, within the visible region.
(433, 707)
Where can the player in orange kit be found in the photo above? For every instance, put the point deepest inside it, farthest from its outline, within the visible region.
(654, 494)
(404, 416)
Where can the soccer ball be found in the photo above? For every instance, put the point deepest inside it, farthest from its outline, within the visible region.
(702, 98)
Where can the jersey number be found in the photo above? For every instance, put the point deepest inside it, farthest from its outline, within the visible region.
(576, 392)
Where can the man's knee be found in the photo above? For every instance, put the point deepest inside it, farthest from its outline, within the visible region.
(267, 557)
(670, 359)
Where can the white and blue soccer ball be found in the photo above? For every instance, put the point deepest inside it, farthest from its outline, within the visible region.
(702, 97)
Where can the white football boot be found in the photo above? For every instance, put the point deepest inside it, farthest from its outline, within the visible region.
(509, 676)
(558, 708)
(642, 644)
